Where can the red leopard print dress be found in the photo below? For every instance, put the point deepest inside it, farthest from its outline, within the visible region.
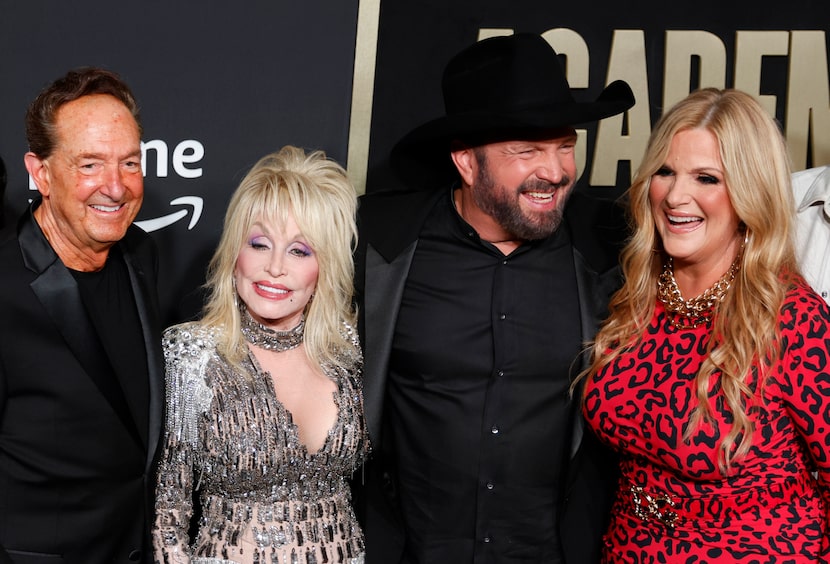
(771, 509)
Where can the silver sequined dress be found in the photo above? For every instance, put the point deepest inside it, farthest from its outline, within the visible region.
(264, 498)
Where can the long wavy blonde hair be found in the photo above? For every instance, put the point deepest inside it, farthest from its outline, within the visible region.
(757, 175)
(317, 192)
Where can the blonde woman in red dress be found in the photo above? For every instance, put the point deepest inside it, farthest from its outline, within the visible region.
(711, 377)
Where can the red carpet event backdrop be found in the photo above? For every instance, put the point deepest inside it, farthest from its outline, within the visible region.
(222, 83)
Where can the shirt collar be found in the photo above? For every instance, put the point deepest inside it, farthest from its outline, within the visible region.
(818, 193)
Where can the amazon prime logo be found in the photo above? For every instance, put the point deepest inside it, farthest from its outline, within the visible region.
(184, 155)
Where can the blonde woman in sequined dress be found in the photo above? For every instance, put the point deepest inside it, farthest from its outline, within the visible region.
(265, 412)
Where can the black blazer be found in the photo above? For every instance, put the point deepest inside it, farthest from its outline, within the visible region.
(76, 477)
(389, 224)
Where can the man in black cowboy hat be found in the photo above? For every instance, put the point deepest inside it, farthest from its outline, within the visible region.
(476, 295)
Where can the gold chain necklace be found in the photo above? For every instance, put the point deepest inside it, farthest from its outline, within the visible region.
(688, 314)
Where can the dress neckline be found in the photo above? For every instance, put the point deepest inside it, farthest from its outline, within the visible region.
(266, 379)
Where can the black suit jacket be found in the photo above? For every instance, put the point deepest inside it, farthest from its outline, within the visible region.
(389, 224)
(76, 476)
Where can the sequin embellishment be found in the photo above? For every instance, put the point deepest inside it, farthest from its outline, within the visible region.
(264, 498)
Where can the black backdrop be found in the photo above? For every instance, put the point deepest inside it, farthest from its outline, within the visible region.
(220, 84)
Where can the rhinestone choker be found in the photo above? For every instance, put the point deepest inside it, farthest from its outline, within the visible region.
(261, 336)
(688, 314)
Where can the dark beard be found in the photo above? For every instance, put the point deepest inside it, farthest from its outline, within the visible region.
(504, 206)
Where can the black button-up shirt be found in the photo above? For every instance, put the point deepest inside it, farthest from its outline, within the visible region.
(478, 394)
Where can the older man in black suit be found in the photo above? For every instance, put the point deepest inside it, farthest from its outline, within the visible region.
(477, 294)
(81, 377)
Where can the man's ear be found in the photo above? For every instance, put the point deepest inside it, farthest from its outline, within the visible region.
(465, 162)
(39, 172)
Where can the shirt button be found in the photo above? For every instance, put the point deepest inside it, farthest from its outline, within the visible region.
(501, 373)
(503, 316)
(486, 539)
(135, 556)
(495, 430)
(490, 485)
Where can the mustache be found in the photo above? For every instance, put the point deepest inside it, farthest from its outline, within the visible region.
(538, 185)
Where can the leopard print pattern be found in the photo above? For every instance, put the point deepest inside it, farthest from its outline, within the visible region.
(673, 505)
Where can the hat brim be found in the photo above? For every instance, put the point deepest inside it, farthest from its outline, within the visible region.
(427, 147)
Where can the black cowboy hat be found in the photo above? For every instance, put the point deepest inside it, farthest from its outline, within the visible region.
(497, 89)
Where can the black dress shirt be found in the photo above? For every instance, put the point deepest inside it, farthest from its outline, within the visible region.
(478, 406)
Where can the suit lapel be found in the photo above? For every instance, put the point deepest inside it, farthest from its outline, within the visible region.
(150, 324)
(385, 283)
(389, 226)
(59, 294)
(586, 288)
(594, 290)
